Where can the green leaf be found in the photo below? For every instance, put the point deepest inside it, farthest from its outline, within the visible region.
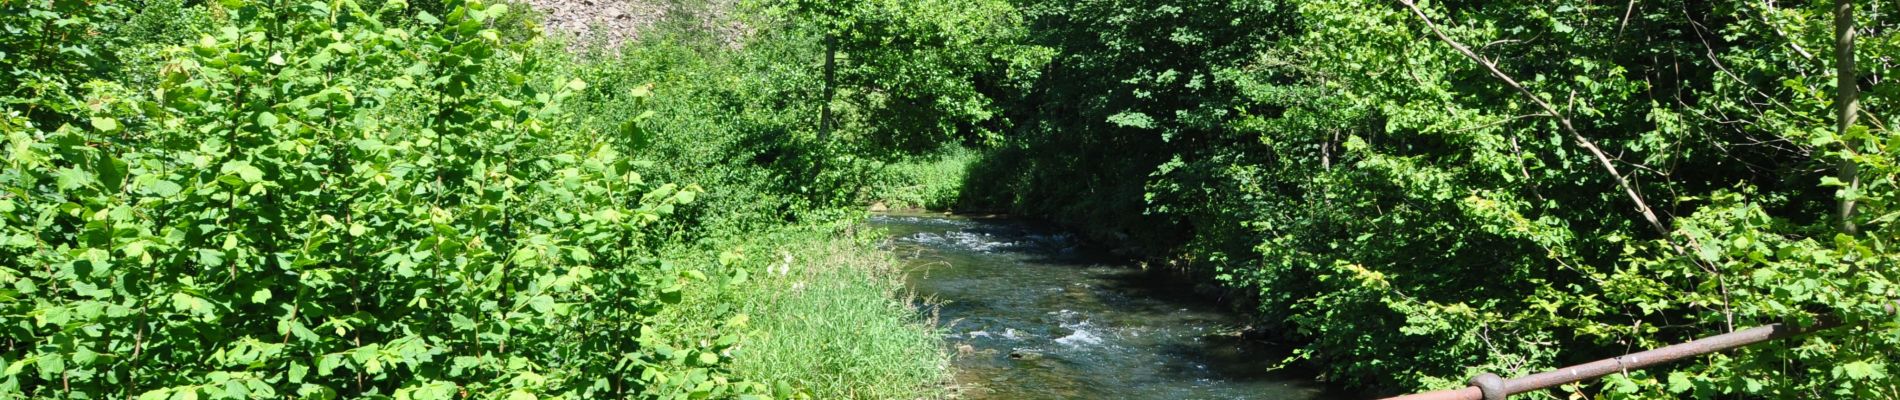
(192, 304)
(164, 188)
(1679, 382)
(51, 364)
(68, 179)
(111, 171)
(670, 295)
(1862, 370)
(22, 240)
(542, 304)
(244, 170)
(1131, 119)
(298, 371)
(19, 365)
(105, 124)
(84, 356)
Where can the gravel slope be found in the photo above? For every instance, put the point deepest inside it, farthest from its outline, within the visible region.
(615, 22)
(609, 22)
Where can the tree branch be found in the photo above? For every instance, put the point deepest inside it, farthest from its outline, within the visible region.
(1563, 120)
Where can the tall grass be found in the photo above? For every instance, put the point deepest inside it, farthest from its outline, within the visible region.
(829, 316)
(933, 182)
(823, 313)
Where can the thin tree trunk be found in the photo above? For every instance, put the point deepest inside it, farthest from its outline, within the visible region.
(1848, 106)
(831, 88)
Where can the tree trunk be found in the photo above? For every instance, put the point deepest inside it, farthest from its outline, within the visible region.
(1848, 106)
(831, 88)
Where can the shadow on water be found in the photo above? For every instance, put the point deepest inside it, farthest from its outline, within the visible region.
(1033, 314)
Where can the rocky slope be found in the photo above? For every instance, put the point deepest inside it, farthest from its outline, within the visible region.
(611, 23)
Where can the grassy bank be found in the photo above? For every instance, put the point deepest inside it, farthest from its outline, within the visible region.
(823, 315)
(832, 317)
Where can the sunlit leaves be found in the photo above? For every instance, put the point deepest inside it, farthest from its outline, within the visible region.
(914, 70)
(1401, 209)
(311, 202)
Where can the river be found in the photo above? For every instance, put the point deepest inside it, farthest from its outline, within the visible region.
(1032, 315)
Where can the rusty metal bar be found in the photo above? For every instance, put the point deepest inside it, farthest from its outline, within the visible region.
(1599, 368)
(1666, 354)
(1466, 393)
(1501, 388)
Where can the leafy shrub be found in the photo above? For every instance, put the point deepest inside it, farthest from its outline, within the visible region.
(315, 203)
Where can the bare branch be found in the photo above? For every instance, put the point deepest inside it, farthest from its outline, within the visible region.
(1563, 120)
(1626, 18)
(1796, 44)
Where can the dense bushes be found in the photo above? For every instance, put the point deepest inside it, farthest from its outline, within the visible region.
(1414, 219)
(906, 77)
(265, 199)
(252, 199)
(931, 182)
(314, 203)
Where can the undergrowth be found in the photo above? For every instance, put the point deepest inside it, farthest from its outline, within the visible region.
(929, 182)
(830, 314)
(379, 199)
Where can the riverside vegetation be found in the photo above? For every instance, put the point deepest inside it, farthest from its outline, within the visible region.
(1416, 192)
(431, 199)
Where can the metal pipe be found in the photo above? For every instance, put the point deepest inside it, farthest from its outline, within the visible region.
(1666, 354)
(1466, 393)
(1599, 368)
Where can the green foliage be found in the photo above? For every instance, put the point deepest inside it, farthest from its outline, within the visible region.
(263, 199)
(828, 317)
(915, 77)
(341, 199)
(918, 74)
(1414, 220)
(49, 50)
(931, 182)
(314, 203)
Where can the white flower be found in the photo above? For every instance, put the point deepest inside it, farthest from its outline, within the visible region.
(782, 268)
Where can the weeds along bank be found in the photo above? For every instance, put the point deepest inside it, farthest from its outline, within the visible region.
(247, 199)
(1411, 217)
(831, 320)
(929, 182)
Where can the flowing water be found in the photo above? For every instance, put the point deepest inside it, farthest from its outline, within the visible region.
(1031, 315)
